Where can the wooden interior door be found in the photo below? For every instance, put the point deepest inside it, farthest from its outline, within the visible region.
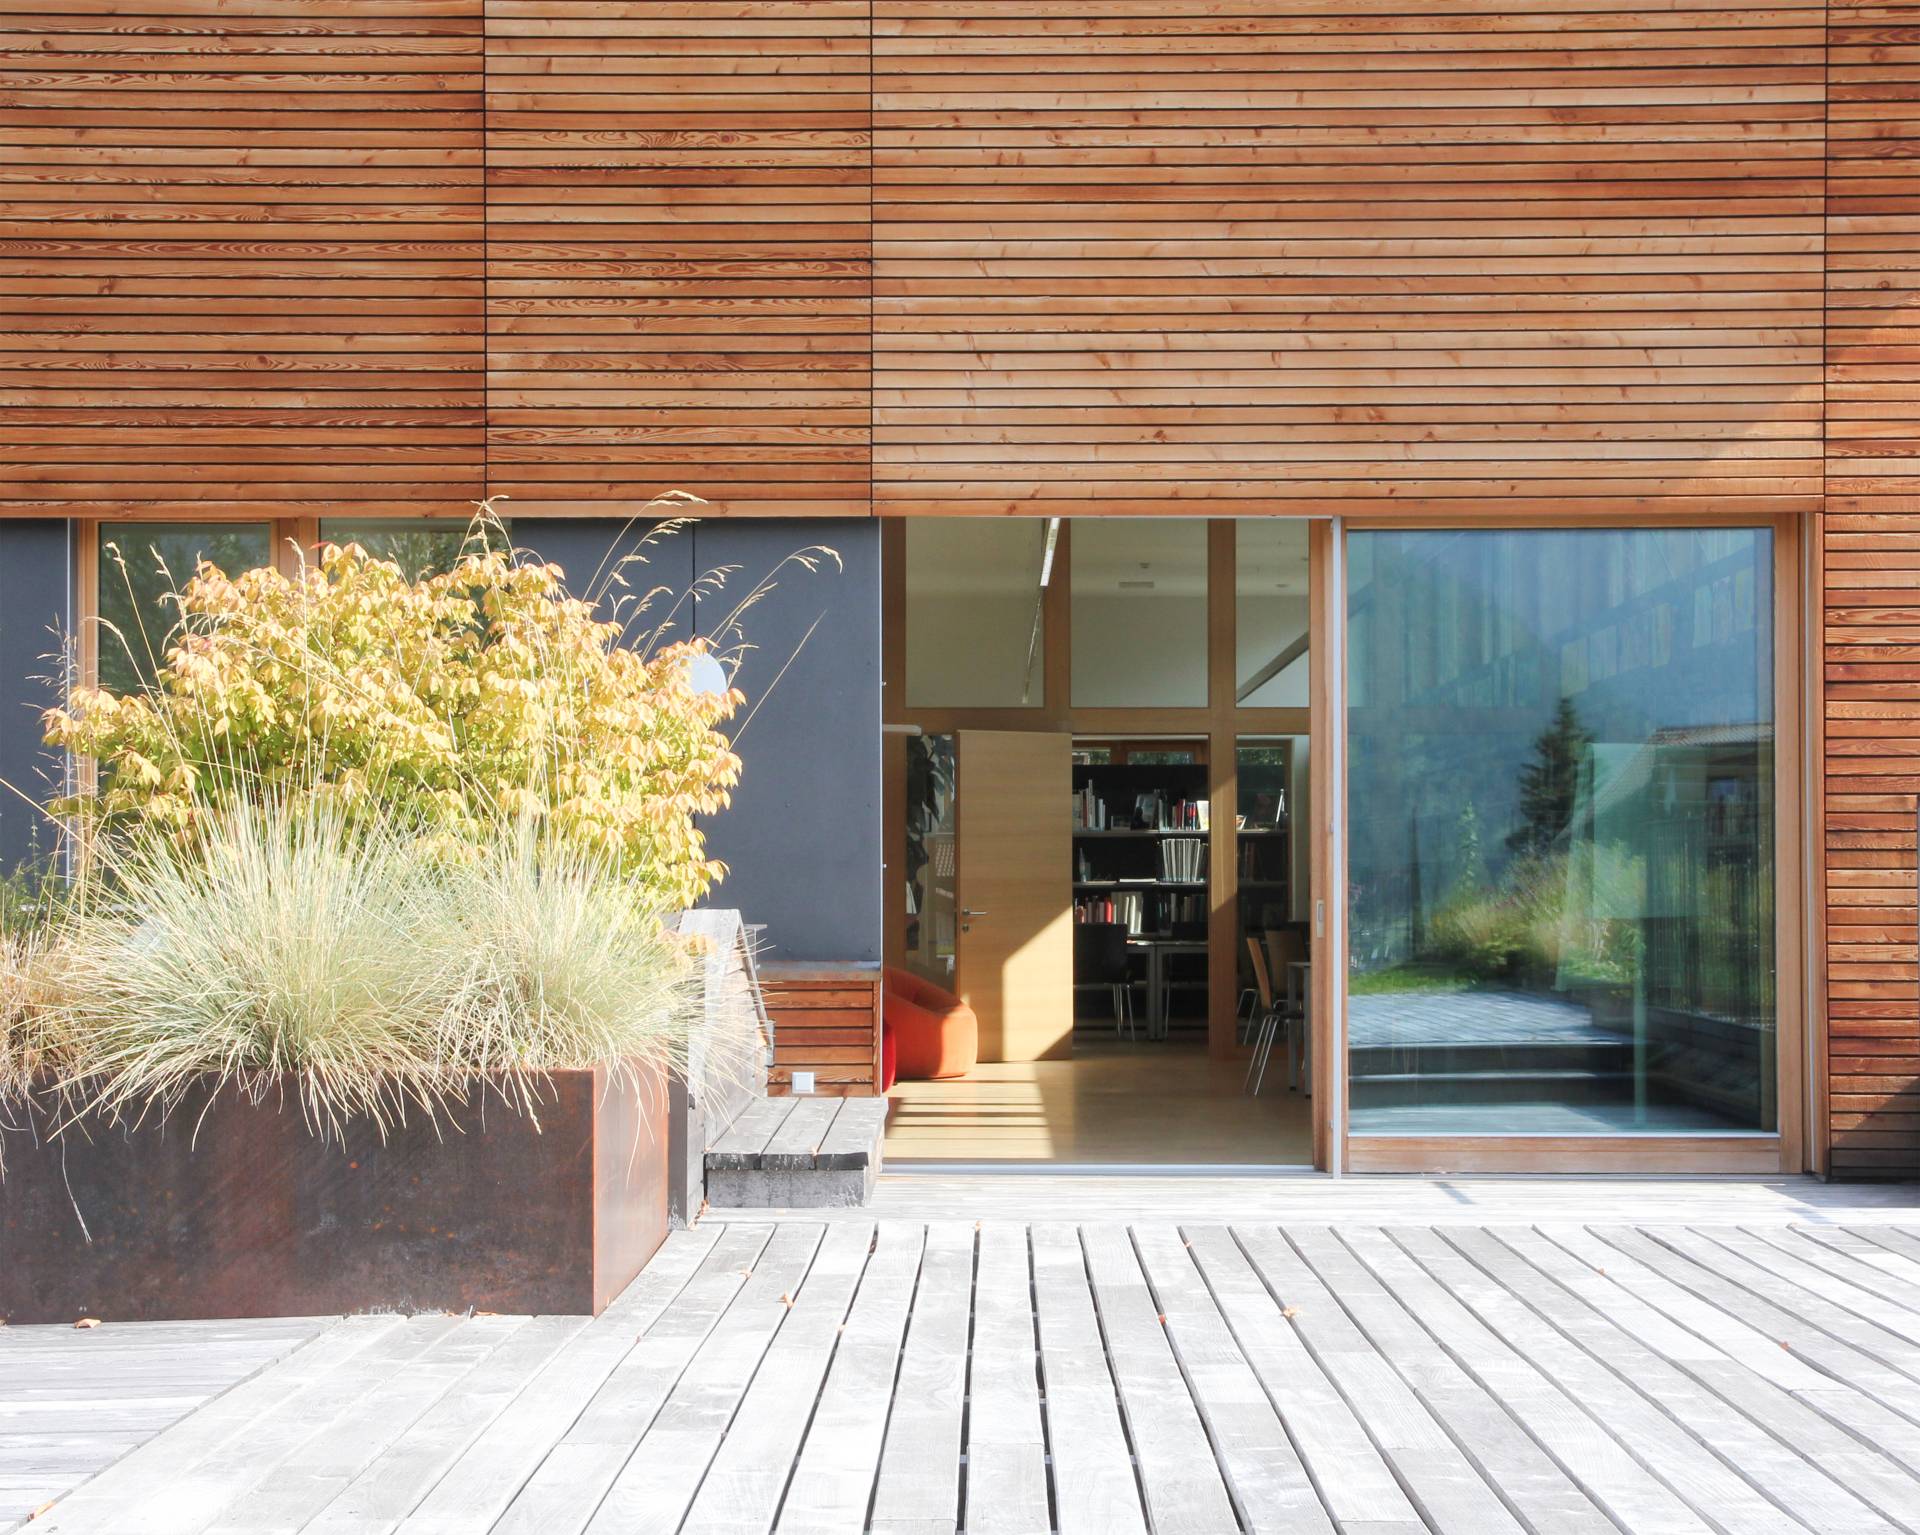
(1014, 841)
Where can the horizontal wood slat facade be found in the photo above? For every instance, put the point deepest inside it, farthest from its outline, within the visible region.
(240, 256)
(1872, 588)
(1537, 259)
(1237, 256)
(678, 254)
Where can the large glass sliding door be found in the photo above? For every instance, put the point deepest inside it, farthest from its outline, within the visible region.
(1561, 785)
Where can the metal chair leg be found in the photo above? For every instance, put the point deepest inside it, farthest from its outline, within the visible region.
(1262, 1048)
(1266, 1051)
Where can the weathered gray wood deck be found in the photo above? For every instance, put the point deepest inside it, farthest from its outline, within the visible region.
(72, 1402)
(1370, 1377)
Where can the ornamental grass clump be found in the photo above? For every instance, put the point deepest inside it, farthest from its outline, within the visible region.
(371, 972)
(280, 947)
(543, 962)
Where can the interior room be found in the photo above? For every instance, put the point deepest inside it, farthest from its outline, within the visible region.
(1072, 704)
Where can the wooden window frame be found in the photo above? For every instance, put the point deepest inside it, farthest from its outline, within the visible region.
(1786, 1149)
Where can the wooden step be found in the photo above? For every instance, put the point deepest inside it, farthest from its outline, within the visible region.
(798, 1152)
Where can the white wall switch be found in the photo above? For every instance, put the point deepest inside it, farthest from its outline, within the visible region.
(803, 1081)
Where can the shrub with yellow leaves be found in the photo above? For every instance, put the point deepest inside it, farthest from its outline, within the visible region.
(456, 702)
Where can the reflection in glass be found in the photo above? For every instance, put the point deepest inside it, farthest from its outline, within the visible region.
(930, 857)
(140, 565)
(1560, 799)
(1139, 612)
(974, 588)
(418, 547)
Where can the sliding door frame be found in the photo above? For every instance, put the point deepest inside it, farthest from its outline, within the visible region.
(1785, 1150)
(1220, 722)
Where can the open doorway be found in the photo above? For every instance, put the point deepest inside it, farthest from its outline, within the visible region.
(1100, 776)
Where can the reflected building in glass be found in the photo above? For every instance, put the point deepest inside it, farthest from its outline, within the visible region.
(1561, 822)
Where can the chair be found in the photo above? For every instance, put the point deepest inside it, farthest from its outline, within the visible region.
(934, 1033)
(1287, 947)
(1101, 960)
(1269, 1018)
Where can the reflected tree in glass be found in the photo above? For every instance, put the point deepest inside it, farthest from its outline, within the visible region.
(140, 565)
(419, 548)
(1561, 857)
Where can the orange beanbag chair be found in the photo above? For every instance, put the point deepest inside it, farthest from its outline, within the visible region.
(934, 1034)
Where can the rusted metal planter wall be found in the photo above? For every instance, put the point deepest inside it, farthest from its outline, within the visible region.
(235, 1209)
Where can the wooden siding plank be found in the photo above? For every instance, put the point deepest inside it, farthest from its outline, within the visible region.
(1871, 567)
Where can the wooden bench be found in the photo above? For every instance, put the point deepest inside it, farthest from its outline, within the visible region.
(798, 1152)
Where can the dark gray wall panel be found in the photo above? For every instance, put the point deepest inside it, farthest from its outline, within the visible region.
(590, 550)
(35, 612)
(802, 836)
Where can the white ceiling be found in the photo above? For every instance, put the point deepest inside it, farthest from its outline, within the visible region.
(978, 556)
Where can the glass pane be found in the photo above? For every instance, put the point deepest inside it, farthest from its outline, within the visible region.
(418, 548)
(1139, 612)
(1270, 612)
(140, 563)
(1560, 799)
(974, 587)
(930, 866)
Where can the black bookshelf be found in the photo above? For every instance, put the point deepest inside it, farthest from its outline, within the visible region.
(1150, 854)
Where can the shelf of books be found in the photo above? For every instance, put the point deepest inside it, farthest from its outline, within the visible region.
(1140, 859)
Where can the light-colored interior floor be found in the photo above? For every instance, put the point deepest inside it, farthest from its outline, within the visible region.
(1150, 1102)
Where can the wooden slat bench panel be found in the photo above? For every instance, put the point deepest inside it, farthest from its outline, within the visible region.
(825, 1020)
(240, 263)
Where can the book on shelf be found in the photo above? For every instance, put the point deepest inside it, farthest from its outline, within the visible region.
(1127, 907)
(1089, 810)
(1151, 811)
(1183, 860)
(1141, 913)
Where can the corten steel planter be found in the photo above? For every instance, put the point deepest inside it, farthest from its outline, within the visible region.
(236, 1209)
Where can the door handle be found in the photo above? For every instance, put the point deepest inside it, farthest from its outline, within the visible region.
(967, 911)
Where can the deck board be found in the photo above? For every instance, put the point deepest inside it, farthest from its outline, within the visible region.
(918, 1491)
(1006, 1441)
(978, 1377)
(1186, 1488)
